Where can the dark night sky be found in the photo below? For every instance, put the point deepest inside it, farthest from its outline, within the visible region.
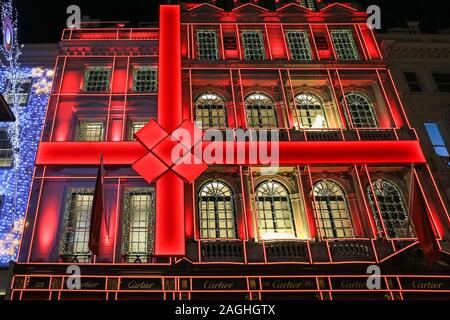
(43, 21)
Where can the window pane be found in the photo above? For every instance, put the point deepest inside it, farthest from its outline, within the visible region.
(361, 111)
(253, 45)
(145, 79)
(310, 113)
(90, 131)
(299, 45)
(210, 111)
(344, 45)
(207, 45)
(260, 111)
(97, 79)
(6, 152)
(435, 134)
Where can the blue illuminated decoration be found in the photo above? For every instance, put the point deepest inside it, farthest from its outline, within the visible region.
(15, 182)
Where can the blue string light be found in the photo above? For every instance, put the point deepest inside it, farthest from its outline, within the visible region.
(15, 182)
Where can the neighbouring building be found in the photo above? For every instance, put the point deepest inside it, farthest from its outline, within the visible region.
(420, 65)
(339, 202)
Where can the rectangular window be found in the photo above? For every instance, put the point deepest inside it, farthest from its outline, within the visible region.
(135, 127)
(23, 89)
(145, 79)
(413, 81)
(139, 224)
(442, 81)
(97, 79)
(75, 239)
(6, 152)
(344, 45)
(299, 45)
(253, 43)
(207, 45)
(90, 131)
(436, 139)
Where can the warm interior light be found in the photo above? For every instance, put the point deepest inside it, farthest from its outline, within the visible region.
(277, 236)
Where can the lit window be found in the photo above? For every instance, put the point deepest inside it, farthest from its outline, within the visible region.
(77, 221)
(413, 81)
(332, 210)
(275, 215)
(210, 111)
(299, 45)
(392, 207)
(207, 45)
(6, 152)
(344, 45)
(216, 211)
(253, 45)
(442, 81)
(90, 131)
(310, 113)
(436, 139)
(139, 225)
(145, 79)
(135, 127)
(361, 111)
(309, 4)
(96, 79)
(260, 111)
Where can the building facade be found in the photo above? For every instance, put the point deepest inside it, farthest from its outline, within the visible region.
(420, 67)
(336, 203)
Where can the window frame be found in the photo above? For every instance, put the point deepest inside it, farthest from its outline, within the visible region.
(144, 68)
(349, 231)
(298, 108)
(150, 225)
(86, 80)
(283, 198)
(307, 44)
(348, 111)
(260, 116)
(208, 107)
(197, 39)
(82, 256)
(81, 122)
(6, 149)
(344, 56)
(246, 54)
(217, 219)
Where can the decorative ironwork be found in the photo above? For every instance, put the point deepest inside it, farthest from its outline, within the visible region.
(361, 111)
(392, 209)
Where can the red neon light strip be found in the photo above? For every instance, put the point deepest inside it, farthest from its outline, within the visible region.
(169, 223)
(290, 153)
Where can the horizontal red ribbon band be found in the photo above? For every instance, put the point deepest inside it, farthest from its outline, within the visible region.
(290, 153)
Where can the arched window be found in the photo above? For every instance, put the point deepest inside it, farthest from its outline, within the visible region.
(275, 216)
(260, 111)
(332, 210)
(210, 111)
(361, 111)
(392, 208)
(217, 214)
(310, 113)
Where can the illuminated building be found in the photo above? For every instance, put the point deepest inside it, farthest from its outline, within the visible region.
(337, 205)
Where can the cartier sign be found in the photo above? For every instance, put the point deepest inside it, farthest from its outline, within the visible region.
(141, 284)
(219, 284)
(91, 283)
(289, 284)
(38, 283)
(425, 283)
(353, 283)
